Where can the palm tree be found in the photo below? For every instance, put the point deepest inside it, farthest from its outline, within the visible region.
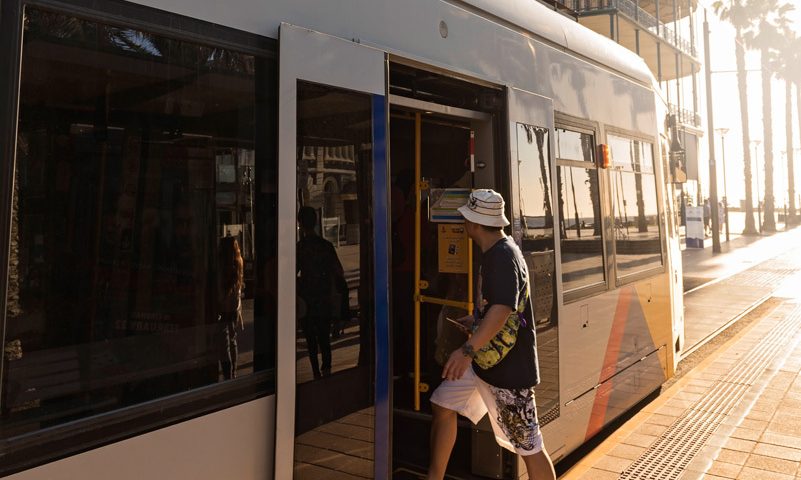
(735, 12)
(788, 69)
(772, 20)
(795, 59)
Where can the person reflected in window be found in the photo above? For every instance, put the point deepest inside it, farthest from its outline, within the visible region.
(231, 267)
(319, 275)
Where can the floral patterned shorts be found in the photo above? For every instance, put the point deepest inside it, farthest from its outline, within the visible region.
(512, 412)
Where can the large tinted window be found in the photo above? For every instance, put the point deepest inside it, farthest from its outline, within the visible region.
(634, 203)
(143, 238)
(579, 210)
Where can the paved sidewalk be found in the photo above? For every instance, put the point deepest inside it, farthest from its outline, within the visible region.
(733, 282)
(701, 266)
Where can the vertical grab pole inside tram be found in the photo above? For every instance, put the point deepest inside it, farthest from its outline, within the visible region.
(417, 224)
(470, 306)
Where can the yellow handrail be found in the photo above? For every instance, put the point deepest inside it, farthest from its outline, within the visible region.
(417, 213)
(470, 304)
(418, 298)
(442, 301)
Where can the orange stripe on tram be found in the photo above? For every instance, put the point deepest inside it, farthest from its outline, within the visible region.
(610, 360)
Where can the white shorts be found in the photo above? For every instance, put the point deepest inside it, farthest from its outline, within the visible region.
(512, 412)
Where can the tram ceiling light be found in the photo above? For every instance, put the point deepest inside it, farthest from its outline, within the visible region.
(603, 157)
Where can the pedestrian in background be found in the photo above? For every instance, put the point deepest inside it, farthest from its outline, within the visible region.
(320, 277)
(496, 369)
(231, 282)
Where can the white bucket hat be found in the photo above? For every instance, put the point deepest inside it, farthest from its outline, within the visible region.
(485, 207)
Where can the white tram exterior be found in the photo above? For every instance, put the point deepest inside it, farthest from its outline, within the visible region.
(134, 135)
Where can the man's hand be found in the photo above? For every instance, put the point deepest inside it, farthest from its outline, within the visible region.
(492, 323)
(456, 365)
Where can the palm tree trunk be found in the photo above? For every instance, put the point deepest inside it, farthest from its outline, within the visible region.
(769, 223)
(788, 116)
(750, 226)
(798, 103)
(642, 222)
(545, 174)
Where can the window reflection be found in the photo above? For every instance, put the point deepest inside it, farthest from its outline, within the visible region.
(571, 145)
(535, 189)
(334, 316)
(332, 253)
(534, 174)
(140, 182)
(634, 199)
(580, 227)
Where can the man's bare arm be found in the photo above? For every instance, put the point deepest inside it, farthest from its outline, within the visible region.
(492, 323)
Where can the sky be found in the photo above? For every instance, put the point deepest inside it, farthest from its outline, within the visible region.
(726, 109)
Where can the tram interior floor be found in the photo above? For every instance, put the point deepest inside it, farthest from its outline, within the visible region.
(411, 448)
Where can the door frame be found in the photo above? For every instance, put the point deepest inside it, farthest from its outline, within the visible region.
(312, 56)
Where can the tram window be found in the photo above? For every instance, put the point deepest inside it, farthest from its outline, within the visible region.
(137, 154)
(580, 227)
(571, 145)
(534, 168)
(634, 200)
(536, 213)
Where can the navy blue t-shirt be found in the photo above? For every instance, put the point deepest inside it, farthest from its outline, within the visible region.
(504, 281)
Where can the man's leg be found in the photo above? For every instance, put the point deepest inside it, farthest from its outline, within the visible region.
(324, 341)
(443, 437)
(539, 466)
(309, 331)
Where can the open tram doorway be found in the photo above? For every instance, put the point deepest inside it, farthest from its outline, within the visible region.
(444, 141)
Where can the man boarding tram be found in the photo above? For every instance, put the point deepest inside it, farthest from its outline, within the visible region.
(496, 369)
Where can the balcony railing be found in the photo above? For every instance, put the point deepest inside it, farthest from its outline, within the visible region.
(634, 12)
(685, 117)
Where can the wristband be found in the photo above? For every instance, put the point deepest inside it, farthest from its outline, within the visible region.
(468, 351)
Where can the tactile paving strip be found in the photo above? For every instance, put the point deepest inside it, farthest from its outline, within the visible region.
(667, 457)
(767, 275)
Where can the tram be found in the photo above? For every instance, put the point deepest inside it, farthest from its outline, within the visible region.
(136, 136)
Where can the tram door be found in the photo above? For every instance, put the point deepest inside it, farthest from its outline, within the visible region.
(536, 201)
(331, 419)
(432, 155)
(433, 169)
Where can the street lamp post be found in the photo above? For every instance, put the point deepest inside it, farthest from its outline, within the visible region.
(723, 131)
(756, 171)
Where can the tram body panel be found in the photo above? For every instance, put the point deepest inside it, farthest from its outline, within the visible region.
(230, 443)
(475, 46)
(615, 352)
